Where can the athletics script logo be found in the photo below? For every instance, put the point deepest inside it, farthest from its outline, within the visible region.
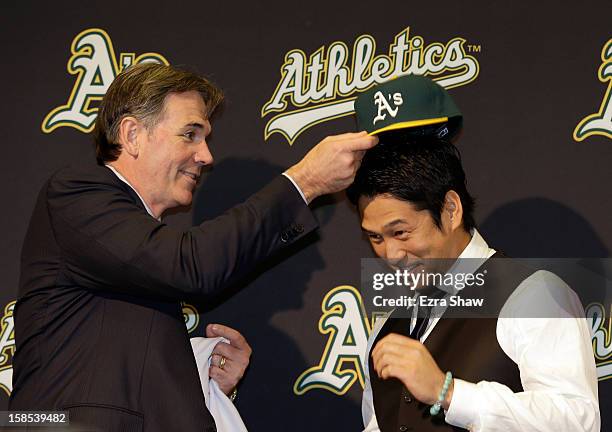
(95, 65)
(600, 123)
(323, 86)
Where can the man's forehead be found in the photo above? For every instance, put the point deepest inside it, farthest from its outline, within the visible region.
(384, 224)
(187, 107)
(385, 212)
(382, 202)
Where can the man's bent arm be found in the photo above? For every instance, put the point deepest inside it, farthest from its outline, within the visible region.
(109, 243)
(556, 362)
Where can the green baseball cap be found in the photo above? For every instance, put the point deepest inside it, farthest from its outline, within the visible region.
(412, 102)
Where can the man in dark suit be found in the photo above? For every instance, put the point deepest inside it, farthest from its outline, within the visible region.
(98, 325)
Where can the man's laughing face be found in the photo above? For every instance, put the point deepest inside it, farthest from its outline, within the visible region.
(175, 150)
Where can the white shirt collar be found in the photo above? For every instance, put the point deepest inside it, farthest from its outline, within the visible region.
(123, 179)
(473, 256)
(477, 247)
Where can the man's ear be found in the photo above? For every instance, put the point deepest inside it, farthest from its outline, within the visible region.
(453, 210)
(129, 129)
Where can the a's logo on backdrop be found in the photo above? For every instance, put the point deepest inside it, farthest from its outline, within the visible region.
(191, 316)
(345, 321)
(95, 65)
(7, 348)
(600, 123)
(601, 331)
(323, 85)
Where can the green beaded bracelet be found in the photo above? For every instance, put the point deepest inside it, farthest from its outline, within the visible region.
(435, 408)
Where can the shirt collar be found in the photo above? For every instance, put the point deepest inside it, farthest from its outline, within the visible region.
(124, 180)
(473, 256)
(477, 247)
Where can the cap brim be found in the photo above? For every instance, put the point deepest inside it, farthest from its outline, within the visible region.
(413, 123)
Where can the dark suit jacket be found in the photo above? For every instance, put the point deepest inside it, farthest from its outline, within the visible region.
(98, 326)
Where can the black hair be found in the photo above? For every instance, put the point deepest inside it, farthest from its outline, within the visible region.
(420, 170)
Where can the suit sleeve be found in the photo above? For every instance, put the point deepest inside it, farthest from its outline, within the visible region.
(109, 243)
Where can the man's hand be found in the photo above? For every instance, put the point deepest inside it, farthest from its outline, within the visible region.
(331, 165)
(397, 356)
(236, 353)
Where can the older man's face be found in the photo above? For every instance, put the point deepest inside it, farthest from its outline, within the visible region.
(175, 150)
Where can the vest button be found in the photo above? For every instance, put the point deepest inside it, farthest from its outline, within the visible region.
(403, 428)
(407, 399)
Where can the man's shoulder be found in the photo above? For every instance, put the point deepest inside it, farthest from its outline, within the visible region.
(543, 294)
(85, 172)
(87, 185)
(86, 175)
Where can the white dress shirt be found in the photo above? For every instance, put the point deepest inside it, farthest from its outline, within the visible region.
(124, 180)
(554, 357)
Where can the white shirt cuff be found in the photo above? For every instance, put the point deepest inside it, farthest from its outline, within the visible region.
(297, 187)
(464, 406)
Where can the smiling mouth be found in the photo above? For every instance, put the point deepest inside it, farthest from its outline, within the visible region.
(191, 175)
